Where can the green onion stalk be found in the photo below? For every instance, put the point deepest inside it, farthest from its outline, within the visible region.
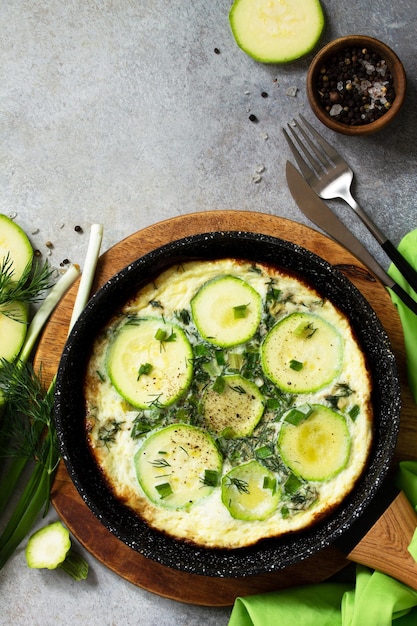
(27, 426)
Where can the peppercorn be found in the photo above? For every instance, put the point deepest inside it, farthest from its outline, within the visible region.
(253, 118)
(355, 86)
(78, 229)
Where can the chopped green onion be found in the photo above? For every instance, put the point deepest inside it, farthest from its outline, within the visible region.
(273, 293)
(297, 366)
(144, 370)
(264, 452)
(219, 384)
(211, 478)
(354, 412)
(164, 490)
(292, 484)
(211, 368)
(296, 415)
(235, 360)
(285, 512)
(305, 330)
(162, 335)
(220, 359)
(273, 403)
(240, 311)
(270, 483)
(201, 350)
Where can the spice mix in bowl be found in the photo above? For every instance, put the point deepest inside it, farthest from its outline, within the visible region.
(356, 85)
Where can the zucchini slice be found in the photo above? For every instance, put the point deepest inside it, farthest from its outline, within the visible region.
(250, 491)
(13, 328)
(234, 407)
(277, 31)
(150, 360)
(302, 353)
(317, 447)
(178, 465)
(15, 244)
(227, 311)
(48, 547)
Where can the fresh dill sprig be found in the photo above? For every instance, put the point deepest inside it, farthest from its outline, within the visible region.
(28, 427)
(108, 432)
(30, 287)
(28, 410)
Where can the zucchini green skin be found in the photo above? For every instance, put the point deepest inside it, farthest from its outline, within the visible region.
(172, 462)
(277, 31)
(317, 448)
(15, 243)
(171, 362)
(250, 492)
(214, 310)
(48, 547)
(16, 248)
(318, 349)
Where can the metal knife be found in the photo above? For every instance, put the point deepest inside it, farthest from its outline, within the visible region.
(318, 212)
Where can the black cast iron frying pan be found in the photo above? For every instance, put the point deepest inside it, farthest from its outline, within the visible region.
(357, 514)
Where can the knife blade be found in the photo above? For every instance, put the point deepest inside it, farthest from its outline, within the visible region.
(320, 214)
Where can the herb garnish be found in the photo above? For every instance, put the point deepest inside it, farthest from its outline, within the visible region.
(144, 370)
(210, 478)
(241, 485)
(28, 288)
(107, 433)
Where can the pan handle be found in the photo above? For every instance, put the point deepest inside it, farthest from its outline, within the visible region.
(384, 547)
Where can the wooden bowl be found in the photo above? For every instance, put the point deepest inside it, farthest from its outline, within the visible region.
(321, 62)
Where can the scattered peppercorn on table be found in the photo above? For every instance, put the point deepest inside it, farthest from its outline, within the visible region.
(130, 114)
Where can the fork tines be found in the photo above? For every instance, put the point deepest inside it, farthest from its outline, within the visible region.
(326, 156)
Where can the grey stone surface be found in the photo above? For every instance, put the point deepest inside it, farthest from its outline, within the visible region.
(120, 112)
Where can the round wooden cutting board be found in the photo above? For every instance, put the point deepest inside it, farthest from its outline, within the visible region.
(145, 573)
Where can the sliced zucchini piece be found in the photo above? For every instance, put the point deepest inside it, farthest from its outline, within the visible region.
(318, 447)
(277, 31)
(48, 547)
(13, 328)
(227, 311)
(234, 407)
(250, 491)
(149, 361)
(178, 465)
(15, 244)
(302, 353)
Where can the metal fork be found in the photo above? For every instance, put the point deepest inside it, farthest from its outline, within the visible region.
(331, 177)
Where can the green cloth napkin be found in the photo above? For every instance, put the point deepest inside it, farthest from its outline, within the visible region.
(374, 599)
(408, 248)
